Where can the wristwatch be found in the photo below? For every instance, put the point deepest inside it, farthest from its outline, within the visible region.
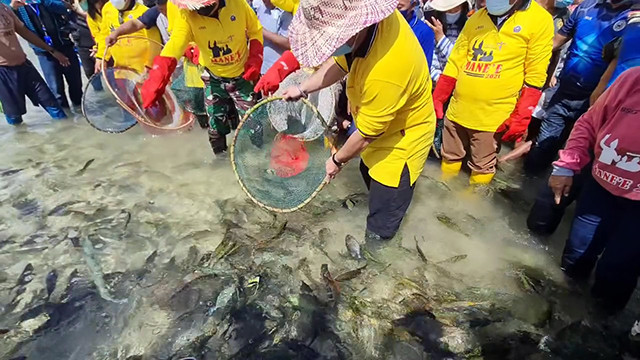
(335, 161)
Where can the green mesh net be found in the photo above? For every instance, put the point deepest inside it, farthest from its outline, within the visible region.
(280, 168)
(189, 88)
(101, 107)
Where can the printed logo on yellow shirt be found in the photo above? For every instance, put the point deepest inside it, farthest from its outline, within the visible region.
(481, 65)
(222, 54)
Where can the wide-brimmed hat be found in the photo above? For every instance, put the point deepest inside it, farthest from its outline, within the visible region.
(192, 4)
(445, 5)
(320, 27)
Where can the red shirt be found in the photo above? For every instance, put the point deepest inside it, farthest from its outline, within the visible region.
(611, 131)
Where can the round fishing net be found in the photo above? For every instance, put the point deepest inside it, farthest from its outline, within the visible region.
(101, 108)
(125, 72)
(278, 168)
(324, 101)
(188, 87)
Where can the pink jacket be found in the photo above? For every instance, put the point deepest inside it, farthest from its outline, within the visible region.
(611, 130)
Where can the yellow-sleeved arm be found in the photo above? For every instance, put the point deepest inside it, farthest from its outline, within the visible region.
(341, 61)
(172, 13)
(458, 57)
(94, 27)
(180, 36)
(254, 28)
(539, 53)
(381, 101)
(287, 5)
(104, 31)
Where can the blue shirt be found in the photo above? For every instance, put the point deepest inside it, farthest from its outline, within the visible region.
(150, 17)
(629, 51)
(50, 20)
(425, 36)
(276, 21)
(592, 25)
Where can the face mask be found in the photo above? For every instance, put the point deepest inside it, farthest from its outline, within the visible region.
(342, 50)
(563, 3)
(404, 13)
(84, 6)
(119, 4)
(452, 18)
(498, 7)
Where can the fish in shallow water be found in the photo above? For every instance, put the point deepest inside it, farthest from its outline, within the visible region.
(331, 285)
(351, 274)
(62, 209)
(85, 167)
(420, 252)
(50, 282)
(27, 207)
(448, 222)
(96, 272)
(453, 259)
(353, 247)
(10, 172)
(26, 276)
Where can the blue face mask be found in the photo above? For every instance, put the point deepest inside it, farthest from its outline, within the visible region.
(497, 7)
(343, 50)
(563, 3)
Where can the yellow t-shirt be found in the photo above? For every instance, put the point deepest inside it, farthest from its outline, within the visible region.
(94, 27)
(130, 53)
(173, 12)
(223, 42)
(389, 91)
(287, 5)
(492, 65)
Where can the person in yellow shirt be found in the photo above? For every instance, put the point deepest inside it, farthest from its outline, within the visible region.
(389, 92)
(133, 53)
(229, 37)
(496, 71)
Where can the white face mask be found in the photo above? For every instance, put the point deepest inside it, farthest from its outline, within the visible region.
(119, 4)
(452, 18)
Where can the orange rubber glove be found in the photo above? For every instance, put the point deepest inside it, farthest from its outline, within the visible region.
(282, 68)
(254, 62)
(193, 54)
(159, 76)
(517, 124)
(444, 88)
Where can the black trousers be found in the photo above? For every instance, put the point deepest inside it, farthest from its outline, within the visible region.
(387, 205)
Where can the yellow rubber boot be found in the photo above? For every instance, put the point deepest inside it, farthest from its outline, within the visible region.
(480, 179)
(450, 169)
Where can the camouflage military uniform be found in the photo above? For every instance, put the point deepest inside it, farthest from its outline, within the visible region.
(226, 101)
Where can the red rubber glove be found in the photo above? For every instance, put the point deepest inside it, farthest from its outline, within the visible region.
(518, 122)
(270, 81)
(254, 62)
(193, 54)
(159, 76)
(444, 88)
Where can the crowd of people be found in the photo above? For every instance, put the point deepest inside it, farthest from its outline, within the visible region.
(452, 79)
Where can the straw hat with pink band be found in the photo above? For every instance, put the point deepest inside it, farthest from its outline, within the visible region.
(320, 27)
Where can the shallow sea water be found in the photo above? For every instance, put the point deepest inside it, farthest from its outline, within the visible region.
(137, 247)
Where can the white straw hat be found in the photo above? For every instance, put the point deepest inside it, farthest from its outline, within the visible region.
(320, 27)
(444, 5)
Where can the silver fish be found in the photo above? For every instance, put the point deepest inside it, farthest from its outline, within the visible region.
(223, 299)
(96, 272)
(353, 246)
